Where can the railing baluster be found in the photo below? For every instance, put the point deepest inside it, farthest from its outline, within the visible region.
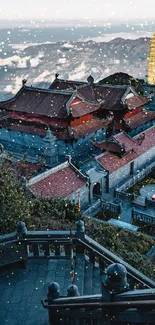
(46, 250)
(91, 257)
(35, 250)
(68, 250)
(101, 264)
(57, 250)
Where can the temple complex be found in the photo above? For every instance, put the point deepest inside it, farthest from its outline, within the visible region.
(39, 286)
(52, 123)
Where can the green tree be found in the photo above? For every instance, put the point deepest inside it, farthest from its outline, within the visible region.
(13, 204)
(53, 214)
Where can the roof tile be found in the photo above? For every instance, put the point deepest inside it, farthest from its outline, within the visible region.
(40, 102)
(61, 183)
(89, 127)
(112, 162)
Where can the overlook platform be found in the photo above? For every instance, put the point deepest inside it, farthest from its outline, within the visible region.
(21, 290)
(31, 260)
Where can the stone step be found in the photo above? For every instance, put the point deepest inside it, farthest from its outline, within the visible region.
(79, 273)
(139, 201)
(97, 281)
(88, 278)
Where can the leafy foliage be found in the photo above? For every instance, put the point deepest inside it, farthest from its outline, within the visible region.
(131, 247)
(145, 227)
(53, 214)
(13, 204)
(121, 78)
(136, 188)
(149, 179)
(60, 214)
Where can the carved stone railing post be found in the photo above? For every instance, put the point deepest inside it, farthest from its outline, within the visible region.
(21, 229)
(80, 229)
(21, 233)
(80, 234)
(72, 291)
(115, 281)
(53, 293)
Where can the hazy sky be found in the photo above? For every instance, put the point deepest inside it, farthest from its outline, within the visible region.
(78, 9)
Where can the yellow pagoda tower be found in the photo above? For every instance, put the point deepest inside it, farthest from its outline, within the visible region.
(151, 62)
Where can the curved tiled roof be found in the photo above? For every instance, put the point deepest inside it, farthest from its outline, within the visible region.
(87, 93)
(60, 183)
(140, 119)
(40, 102)
(136, 101)
(109, 97)
(82, 108)
(112, 162)
(62, 84)
(89, 127)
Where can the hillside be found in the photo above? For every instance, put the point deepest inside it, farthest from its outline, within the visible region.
(72, 60)
(121, 78)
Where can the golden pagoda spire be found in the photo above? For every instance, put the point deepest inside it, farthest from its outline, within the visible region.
(151, 62)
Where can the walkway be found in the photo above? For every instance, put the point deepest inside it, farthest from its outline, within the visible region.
(125, 214)
(21, 290)
(147, 191)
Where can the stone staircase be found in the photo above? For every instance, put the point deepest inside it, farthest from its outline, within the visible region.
(23, 289)
(87, 277)
(139, 202)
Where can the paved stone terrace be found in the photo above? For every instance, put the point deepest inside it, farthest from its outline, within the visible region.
(21, 290)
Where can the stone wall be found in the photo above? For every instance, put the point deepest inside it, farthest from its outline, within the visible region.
(119, 176)
(36, 147)
(84, 197)
(123, 174)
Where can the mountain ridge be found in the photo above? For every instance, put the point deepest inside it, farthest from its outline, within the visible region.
(72, 60)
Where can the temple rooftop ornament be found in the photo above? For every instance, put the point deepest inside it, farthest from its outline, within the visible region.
(90, 80)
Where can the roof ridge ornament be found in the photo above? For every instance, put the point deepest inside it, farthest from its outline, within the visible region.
(56, 75)
(90, 80)
(24, 81)
(49, 136)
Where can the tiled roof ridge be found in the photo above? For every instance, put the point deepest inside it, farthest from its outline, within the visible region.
(53, 170)
(51, 91)
(78, 171)
(13, 98)
(70, 81)
(145, 132)
(47, 173)
(101, 155)
(112, 86)
(113, 163)
(122, 132)
(88, 101)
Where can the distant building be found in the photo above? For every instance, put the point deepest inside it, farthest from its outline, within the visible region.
(64, 181)
(124, 156)
(52, 123)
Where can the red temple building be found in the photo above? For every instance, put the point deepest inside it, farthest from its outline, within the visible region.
(72, 111)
